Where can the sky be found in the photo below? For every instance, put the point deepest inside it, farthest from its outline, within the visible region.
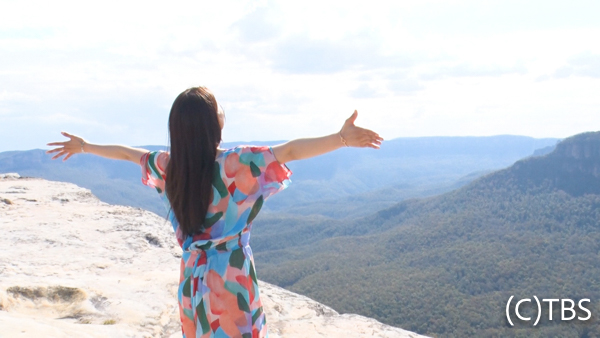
(109, 71)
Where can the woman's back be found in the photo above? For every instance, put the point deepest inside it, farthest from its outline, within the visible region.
(218, 288)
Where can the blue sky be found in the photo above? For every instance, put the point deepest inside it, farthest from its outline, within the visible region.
(109, 71)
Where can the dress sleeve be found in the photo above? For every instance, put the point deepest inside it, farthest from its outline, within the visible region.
(154, 166)
(274, 176)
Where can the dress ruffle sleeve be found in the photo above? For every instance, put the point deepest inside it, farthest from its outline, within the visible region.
(154, 166)
(274, 176)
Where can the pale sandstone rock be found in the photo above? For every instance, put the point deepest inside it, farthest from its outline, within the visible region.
(73, 266)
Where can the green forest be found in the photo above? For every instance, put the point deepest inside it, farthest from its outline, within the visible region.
(445, 266)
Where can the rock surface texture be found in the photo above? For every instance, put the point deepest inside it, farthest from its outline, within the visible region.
(73, 266)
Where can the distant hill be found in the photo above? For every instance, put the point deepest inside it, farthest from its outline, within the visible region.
(544, 151)
(346, 183)
(446, 265)
(402, 168)
(113, 181)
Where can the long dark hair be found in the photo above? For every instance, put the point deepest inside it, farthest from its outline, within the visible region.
(194, 134)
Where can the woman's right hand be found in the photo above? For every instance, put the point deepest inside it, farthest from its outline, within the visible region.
(68, 148)
(359, 137)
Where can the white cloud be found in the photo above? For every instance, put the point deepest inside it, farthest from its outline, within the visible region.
(283, 70)
(585, 64)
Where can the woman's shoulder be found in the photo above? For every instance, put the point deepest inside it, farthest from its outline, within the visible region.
(161, 157)
(244, 148)
(156, 160)
(250, 148)
(247, 152)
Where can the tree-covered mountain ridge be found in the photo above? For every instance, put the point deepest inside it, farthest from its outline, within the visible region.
(402, 168)
(574, 166)
(446, 265)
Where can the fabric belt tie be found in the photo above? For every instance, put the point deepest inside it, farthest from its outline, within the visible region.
(224, 244)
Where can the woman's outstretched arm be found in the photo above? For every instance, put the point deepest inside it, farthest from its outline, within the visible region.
(302, 148)
(78, 145)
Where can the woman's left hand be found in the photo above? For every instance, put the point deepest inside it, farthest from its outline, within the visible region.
(69, 148)
(359, 137)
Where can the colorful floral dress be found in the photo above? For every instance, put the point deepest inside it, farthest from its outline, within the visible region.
(218, 290)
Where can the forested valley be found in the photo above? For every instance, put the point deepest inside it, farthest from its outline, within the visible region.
(446, 265)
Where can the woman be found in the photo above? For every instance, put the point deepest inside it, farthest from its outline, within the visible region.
(212, 196)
